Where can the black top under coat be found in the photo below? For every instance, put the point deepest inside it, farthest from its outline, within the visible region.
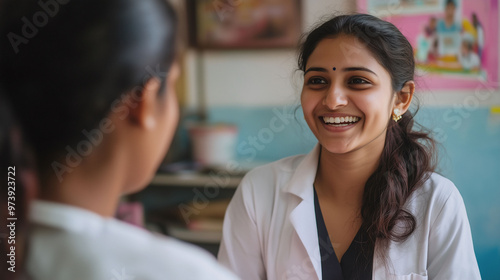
(354, 265)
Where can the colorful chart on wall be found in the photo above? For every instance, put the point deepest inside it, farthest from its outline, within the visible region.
(455, 41)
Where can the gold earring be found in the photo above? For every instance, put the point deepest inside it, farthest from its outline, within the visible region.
(396, 116)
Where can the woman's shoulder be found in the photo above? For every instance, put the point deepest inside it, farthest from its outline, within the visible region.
(437, 186)
(184, 260)
(155, 255)
(167, 249)
(434, 194)
(117, 249)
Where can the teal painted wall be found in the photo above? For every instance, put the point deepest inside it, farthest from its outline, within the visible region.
(469, 156)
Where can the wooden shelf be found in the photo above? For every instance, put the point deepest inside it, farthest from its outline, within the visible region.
(196, 180)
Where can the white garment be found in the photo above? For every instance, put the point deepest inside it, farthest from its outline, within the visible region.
(270, 229)
(469, 61)
(67, 242)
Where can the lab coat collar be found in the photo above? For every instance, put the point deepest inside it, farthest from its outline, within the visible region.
(302, 217)
(301, 182)
(67, 217)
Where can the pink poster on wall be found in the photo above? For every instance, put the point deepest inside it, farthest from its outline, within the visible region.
(455, 41)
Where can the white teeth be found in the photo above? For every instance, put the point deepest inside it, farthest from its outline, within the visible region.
(341, 121)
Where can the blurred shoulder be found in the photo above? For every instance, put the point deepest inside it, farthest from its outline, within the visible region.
(117, 250)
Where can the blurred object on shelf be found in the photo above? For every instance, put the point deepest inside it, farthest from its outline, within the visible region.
(193, 222)
(195, 236)
(206, 224)
(192, 174)
(212, 211)
(185, 213)
(238, 168)
(213, 145)
(131, 212)
(193, 180)
(182, 167)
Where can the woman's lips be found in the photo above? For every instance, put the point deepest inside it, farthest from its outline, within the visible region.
(339, 124)
(340, 120)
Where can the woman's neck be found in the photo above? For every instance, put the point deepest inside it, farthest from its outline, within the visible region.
(93, 185)
(342, 177)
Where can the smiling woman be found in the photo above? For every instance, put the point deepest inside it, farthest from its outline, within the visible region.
(360, 90)
(365, 203)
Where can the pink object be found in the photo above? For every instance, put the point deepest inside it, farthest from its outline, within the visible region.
(131, 212)
(213, 144)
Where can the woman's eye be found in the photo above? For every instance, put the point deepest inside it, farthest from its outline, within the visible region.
(358, 81)
(316, 81)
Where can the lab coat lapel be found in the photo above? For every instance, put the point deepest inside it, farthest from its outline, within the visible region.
(302, 215)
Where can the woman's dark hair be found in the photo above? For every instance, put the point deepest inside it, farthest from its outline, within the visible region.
(63, 64)
(407, 158)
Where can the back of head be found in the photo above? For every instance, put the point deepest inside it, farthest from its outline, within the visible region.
(62, 64)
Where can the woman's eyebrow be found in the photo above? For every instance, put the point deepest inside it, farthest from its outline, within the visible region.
(319, 69)
(348, 69)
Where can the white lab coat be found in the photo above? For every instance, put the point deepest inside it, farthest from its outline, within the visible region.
(67, 242)
(270, 229)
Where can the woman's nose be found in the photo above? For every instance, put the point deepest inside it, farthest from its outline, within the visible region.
(335, 98)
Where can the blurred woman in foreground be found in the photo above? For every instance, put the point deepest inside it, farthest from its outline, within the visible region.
(89, 110)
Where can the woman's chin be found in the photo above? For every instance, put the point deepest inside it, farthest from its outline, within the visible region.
(336, 147)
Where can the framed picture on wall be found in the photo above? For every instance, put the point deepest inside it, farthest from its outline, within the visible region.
(455, 41)
(244, 24)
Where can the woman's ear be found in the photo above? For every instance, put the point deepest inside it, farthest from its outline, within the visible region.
(404, 96)
(144, 111)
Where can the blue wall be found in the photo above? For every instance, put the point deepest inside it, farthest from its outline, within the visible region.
(469, 156)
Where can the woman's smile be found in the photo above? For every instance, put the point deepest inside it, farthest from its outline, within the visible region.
(338, 122)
